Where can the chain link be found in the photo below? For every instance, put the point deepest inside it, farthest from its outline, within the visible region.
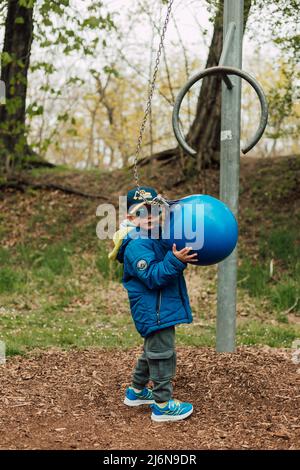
(149, 100)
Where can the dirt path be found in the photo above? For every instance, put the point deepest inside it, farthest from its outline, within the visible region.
(73, 400)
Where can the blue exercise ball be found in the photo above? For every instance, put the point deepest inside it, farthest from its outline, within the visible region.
(204, 223)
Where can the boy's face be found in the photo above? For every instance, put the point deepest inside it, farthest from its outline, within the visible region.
(147, 217)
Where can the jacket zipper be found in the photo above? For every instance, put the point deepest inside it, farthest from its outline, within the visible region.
(158, 307)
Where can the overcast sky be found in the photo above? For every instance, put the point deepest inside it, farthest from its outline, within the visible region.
(189, 15)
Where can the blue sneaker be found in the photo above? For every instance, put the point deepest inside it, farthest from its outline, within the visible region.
(144, 397)
(173, 411)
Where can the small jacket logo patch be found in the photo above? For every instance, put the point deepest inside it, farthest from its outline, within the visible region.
(141, 264)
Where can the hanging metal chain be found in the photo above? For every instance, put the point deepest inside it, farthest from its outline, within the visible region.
(148, 106)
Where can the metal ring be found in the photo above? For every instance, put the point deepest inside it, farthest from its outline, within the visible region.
(213, 71)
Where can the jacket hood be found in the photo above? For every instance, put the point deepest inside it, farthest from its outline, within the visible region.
(121, 239)
(121, 251)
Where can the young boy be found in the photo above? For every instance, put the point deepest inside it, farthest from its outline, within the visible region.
(153, 277)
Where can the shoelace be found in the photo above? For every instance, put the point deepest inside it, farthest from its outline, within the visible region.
(175, 406)
(146, 393)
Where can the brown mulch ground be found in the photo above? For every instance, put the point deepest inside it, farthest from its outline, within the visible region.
(73, 400)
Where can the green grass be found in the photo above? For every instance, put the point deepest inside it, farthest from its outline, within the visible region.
(4, 256)
(18, 269)
(282, 293)
(46, 282)
(281, 284)
(248, 333)
(110, 270)
(53, 260)
(41, 290)
(252, 333)
(10, 280)
(52, 284)
(46, 307)
(253, 277)
(280, 244)
(50, 326)
(45, 328)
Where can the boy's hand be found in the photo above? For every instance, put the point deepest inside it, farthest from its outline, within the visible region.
(183, 255)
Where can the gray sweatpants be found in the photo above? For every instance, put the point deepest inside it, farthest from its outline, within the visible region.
(158, 363)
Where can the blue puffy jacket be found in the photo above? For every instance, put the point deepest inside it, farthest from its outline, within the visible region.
(153, 277)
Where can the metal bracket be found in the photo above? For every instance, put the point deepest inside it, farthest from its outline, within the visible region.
(226, 47)
(223, 71)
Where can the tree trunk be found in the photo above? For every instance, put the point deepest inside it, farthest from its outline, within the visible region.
(14, 70)
(204, 133)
